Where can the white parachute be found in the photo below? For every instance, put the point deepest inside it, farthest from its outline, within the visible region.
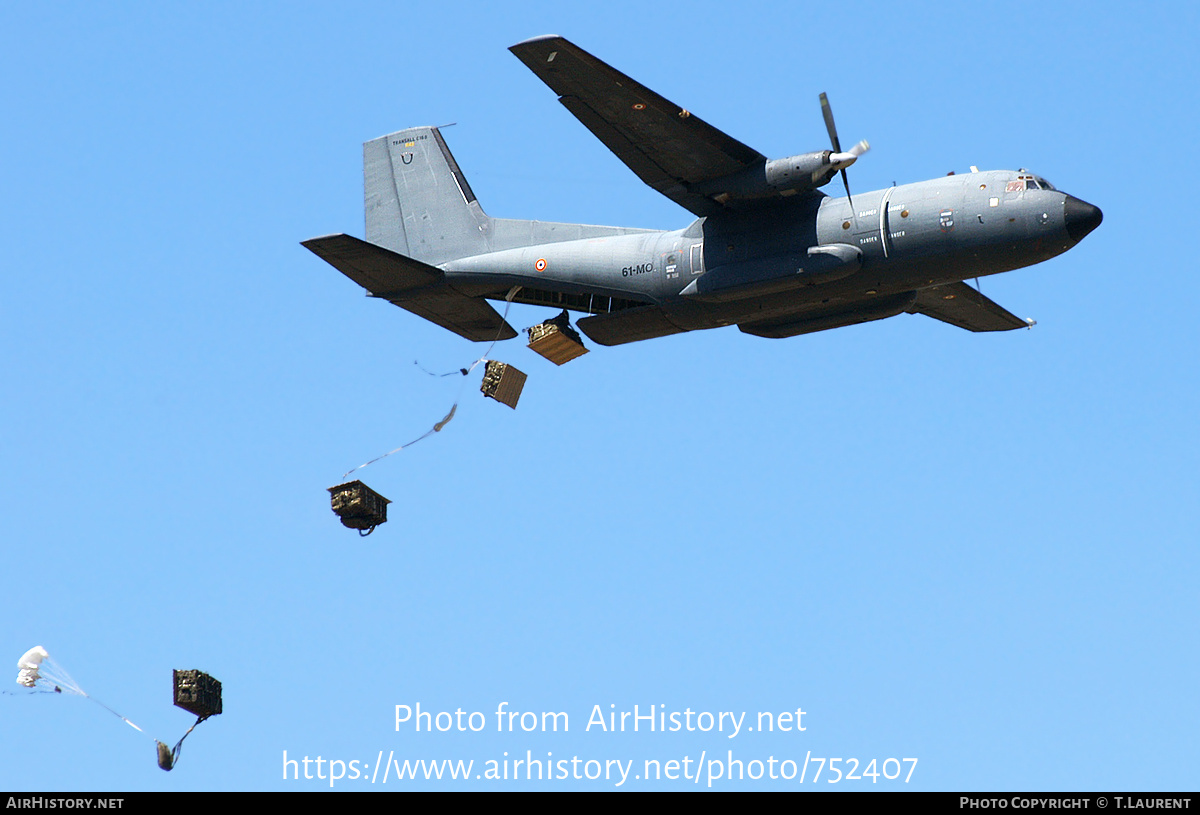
(36, 670)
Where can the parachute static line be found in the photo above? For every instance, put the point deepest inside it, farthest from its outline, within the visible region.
(465, 372)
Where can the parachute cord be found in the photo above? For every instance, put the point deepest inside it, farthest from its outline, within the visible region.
(41, 688)
(508, 299)
(459, 372)
(435, 429)
(56, 675)
(179, 744)
(32, 691)
(118, 715)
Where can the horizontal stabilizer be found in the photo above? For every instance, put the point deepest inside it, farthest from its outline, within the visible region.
(960, 305)
(412, 285)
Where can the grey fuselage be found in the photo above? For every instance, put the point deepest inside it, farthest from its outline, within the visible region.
(804, 257)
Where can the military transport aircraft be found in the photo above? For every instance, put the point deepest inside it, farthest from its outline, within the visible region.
(769, 251)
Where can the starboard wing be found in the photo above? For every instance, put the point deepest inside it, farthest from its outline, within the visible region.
(960, 305)
(665, 145)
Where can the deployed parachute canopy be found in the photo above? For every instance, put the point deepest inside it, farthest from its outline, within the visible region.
(36, 670)
(28, 666)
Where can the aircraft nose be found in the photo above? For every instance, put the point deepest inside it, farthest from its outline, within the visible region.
(1081, 218)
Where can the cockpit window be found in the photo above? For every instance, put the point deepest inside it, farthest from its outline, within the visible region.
(1028, 182)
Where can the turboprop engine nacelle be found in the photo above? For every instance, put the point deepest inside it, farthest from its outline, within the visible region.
(781, 176)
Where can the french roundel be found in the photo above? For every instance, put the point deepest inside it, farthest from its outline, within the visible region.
(540, 265)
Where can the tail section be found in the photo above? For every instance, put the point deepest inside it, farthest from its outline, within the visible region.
(420, 213)
(418, 203)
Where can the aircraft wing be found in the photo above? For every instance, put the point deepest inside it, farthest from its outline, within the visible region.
(960, 305)
(665, 145)
(412, 285)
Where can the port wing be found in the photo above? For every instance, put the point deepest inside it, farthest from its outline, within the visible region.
(665, 145)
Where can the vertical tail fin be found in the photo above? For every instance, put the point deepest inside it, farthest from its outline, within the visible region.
(418, 203)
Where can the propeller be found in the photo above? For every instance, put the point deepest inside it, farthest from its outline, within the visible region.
(839, 159)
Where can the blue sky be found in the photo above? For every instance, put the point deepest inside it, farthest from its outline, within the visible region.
(978, 551)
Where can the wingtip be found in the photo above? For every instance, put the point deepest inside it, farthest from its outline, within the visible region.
(532, 40)
(320, 239)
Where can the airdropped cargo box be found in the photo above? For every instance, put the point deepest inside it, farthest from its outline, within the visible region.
(198, 693)
(556, 340)
(359, 506)
(503, 383)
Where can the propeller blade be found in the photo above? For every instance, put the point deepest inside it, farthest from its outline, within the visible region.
(827, 112)
(839, 159)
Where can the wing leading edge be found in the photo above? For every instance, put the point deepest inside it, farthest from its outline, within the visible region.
(666, 146)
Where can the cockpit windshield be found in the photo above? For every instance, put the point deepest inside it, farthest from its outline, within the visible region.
(1026, 181)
